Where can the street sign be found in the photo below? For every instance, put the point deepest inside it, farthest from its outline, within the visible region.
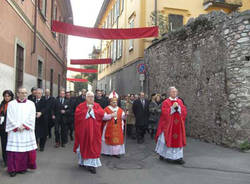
(141, 68)
(142, 77)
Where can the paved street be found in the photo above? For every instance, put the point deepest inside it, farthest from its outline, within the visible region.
(206, 164)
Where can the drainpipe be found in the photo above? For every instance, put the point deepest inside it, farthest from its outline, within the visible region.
(156, 13)
(35, 28)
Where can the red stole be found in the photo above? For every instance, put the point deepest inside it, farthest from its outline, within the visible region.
(114, 133)
(173, 126)
(88, 131)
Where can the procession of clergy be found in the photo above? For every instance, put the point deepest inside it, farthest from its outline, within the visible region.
(97, 129)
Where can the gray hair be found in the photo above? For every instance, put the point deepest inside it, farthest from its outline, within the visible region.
(90, 93)
(40, 89)
(172, 87)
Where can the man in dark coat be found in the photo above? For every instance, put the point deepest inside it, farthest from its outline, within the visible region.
(141, 111)
(51, 108)
(32, 96)
(41, 128)
(72, 106)
(80, 99)
(101, 100)
(62, 115)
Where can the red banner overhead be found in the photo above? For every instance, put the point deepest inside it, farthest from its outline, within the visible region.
(104, 34)
(77, 80)
(89, 61)
(82, 70)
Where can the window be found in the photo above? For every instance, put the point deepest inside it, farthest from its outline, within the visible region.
(109, 20)
(113, 16)
(52, 12)
(119, 49)
(40, 74)
(111, 51)
(19, 66)
(42, 4)
(131, 42)
(54, 15)
(51, 81)
(122, 6)
(114, 51)
(175, 21)
(61, 36)
(117, 10)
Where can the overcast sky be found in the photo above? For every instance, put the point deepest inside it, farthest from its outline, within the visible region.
(85, 13)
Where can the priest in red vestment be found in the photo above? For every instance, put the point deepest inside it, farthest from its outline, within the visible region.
(171, 135)
(88, 132)
(112, 137)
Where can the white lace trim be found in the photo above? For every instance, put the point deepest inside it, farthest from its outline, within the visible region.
(88, 162)
(112, 150)
(166, 152)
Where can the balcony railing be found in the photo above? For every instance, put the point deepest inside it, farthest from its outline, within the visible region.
(231, 4)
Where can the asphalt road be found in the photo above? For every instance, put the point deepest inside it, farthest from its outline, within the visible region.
(205, 164)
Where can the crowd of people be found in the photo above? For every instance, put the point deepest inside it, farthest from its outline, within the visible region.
(97, 123)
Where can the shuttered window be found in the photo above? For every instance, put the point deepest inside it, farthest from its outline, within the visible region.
(19, 66)
(175, 21)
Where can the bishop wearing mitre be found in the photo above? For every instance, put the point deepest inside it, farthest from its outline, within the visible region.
(113, 131)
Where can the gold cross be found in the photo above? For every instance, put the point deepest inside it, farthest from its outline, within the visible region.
(176, 121)
(175, 136)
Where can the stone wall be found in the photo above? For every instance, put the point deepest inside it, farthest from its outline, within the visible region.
(208, 60)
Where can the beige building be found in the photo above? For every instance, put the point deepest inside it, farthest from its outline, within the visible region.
(122, 74)
(31, 55)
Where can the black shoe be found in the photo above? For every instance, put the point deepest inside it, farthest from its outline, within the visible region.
(12, 174)
(161, 158)
(41, 149)
(71, 138)
(180, 161)
(22, 172)
(117, 156)
(92, 170)
(81, 166)
(170, 161)
(63, 145)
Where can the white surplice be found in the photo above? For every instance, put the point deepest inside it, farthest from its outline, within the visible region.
(109, 149)
(21, 114)
(161, 147)
(92, 162)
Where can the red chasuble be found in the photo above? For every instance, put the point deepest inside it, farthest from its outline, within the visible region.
(114, 133)
(88, 131)
(173, 126)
